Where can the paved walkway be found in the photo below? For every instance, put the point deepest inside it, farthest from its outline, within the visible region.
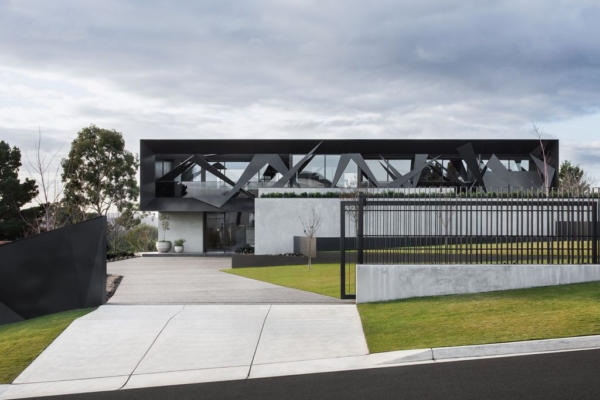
(127, 347)
(198, 280)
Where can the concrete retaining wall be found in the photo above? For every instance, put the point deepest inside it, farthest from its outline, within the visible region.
(392, 282)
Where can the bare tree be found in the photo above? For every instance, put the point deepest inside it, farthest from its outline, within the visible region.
(352, 193)
(49, 215)
(544, 174)
(444, 214)
(310, 226)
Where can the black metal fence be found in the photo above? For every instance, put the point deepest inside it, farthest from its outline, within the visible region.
(429, 226)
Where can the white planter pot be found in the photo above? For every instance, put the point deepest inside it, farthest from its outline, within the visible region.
(163, 247)
(178, 249)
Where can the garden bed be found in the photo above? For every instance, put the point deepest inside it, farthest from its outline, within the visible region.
(112, 284)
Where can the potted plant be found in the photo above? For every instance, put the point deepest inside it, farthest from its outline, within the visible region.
(163, 246)
(179, 245)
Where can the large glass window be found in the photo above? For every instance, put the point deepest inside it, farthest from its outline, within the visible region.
(313, 174)
(331, 164)
(350, 176)
(227, 231)
(161, 167)
(402, 166)
(377, 169)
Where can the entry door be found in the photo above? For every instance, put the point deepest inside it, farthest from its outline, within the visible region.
(215, 231)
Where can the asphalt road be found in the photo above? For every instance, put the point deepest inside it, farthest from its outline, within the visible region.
(568, 375)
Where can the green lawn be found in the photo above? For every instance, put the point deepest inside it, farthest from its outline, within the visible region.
(22, 342)
(539, 313)
(322, 278)
(456, 320)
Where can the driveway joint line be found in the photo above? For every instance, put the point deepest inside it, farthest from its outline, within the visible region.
(150, 347)
(258, 341)
(65, 380)
(190, 369)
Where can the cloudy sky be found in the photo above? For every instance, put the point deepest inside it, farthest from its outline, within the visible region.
(302, 69)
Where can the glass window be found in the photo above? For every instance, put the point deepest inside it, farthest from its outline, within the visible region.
(235, 169)
(377, 169)
(350, 176)
(402, 166)
(331, 164)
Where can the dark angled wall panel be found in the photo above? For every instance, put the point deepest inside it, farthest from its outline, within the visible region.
(60, 270)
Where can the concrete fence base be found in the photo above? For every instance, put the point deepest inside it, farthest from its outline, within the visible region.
(392, 282)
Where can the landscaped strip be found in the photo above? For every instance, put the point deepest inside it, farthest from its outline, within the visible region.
(457, 320)
(22, 342)
(322, 278)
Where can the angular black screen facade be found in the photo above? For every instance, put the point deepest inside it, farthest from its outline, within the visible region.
(225, 175)
(60, 270)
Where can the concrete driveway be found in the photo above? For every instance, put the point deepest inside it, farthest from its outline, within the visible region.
(120, 346)
(198, 280)
(171, 322)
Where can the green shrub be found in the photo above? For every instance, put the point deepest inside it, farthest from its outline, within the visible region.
(143, 237)
(246, 249)
(179, 242)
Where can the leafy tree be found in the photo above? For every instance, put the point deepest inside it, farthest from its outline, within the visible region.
(572, 177)
(13, 193)
(99, 173)
(119, 227)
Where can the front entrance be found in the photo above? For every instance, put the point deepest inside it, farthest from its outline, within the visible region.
(228, 231)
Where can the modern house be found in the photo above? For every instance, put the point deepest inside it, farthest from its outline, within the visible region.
(211, 188)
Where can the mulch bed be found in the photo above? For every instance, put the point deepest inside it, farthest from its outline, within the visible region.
(112, 284)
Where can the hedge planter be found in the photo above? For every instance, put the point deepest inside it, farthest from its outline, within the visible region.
(163, 247)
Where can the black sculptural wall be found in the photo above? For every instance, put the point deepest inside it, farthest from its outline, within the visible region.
(60, 270)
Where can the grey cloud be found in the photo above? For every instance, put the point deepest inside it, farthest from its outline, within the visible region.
(428, 69)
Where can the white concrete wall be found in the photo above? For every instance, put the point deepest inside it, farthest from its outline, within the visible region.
(392, 282)
(277, 221)
(188, 226)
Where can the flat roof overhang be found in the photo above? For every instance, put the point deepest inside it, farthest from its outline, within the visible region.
(370, 148)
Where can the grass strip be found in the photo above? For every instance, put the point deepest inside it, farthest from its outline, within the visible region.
(22, 342)
(457, 320)
(322, 278)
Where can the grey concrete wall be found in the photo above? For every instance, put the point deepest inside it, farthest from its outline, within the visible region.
(277, 221)
(392, 282)
(188, 226)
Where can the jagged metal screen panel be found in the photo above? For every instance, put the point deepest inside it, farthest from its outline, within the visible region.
(56, 271)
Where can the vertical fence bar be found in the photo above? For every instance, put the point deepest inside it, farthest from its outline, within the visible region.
(595, 223)
(360, 233)
(343, 250)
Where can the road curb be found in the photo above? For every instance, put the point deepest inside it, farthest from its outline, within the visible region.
(516, 348)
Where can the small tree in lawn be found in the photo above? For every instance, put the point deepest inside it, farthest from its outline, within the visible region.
(310, 226)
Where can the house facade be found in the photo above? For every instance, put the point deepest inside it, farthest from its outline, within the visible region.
(211, 189)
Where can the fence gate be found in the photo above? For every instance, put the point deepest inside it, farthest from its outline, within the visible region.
(351, 251)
